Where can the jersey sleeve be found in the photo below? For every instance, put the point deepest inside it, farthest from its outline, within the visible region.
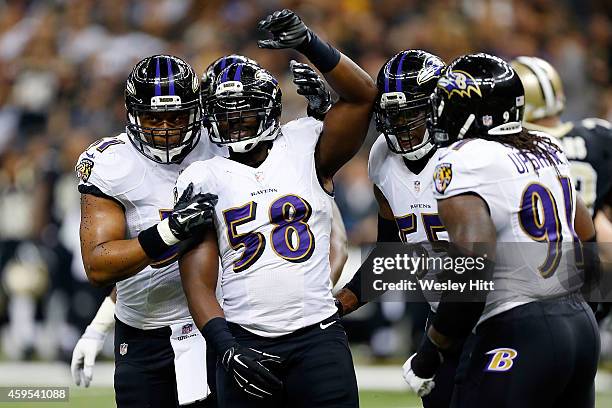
(198, 174)
(454, 176)
(303, 134)
(104, 171)
(378, 153)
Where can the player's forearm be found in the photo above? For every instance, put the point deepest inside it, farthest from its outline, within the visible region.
(352, 84)
(114, 261)
(338, 247)
(203, 305)
(338, 254)
(348, 301)
(199, 269)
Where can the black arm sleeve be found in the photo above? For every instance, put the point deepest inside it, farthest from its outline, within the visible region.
(455, 319)
(387, 230)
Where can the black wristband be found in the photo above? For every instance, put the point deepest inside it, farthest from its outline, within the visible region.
(152, 243)
(321, 54)
(217, 334)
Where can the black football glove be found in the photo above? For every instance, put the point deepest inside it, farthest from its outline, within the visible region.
(248, 367)
(311, 86)
(287, 29)
(192, 213)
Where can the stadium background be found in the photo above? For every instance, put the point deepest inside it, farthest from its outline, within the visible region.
(63, 64)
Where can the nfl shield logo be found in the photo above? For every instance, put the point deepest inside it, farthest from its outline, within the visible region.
(186, 329)
(443, 176)
(417, 186)
(259, 176)
(123, 349)
(487, 120)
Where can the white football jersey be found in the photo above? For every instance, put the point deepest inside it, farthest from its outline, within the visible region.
(112, 166)
(533, 209)
(410, 195)
(273, 224)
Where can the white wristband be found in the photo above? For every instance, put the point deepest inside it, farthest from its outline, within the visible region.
(105, 318)
(163, 228)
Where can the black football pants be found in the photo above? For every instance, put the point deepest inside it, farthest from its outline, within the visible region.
(541, 354)
(317, 371)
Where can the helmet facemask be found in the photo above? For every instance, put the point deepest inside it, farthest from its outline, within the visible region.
(403, 124)
(162, 99)
(241, 119)
(165, 133)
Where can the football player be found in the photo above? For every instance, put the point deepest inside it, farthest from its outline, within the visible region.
(278, 336)
(131, 231)
(310, 85)
(586, 143)
(535, 341)
(401, 167)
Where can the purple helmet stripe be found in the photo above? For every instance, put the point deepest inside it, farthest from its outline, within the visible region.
(224, 76)
(157, 78)
(170, 77)
(223, 62)
(238, 73)
(398, 81)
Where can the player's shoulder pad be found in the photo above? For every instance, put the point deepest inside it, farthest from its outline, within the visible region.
(378, 154)
(200, 174)
(473, 154)
(110, 164)
(463, 166)
(302, 134)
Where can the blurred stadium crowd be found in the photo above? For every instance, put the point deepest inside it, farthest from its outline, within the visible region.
(63, 64)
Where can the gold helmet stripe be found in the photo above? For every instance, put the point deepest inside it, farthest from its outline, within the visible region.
(543, 80)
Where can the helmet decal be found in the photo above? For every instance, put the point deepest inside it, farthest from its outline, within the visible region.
(432, 68)
(459, 82)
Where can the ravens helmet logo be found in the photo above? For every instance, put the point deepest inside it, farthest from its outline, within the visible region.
(460, 83)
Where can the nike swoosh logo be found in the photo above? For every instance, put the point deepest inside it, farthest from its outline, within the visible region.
(183, 219)
(326, 325)
(444, 155)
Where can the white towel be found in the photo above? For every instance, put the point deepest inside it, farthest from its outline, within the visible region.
(189, 363)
